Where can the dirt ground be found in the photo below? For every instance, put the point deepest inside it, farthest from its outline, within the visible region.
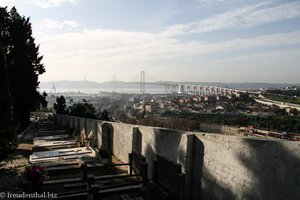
(12, 170)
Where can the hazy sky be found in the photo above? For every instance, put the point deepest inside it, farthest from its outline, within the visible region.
(174, 40)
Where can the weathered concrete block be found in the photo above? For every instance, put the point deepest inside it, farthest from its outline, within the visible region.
(252, 168)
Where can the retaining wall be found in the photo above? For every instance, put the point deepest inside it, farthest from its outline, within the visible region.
(245, 168)
(217, 166)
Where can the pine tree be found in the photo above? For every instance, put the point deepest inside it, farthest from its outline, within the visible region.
(4, 85)
(42, 100)
(7, 131)
(60, 105)
(20, 66)
(24, 66)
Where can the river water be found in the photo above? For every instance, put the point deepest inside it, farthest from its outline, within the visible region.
(99, 91)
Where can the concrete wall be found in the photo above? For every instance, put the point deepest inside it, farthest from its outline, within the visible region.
(122, 140)
(82, 124)
(168, 143)
(91, 125)
(149, 142)
(229, 167)
(216, 166)
(99, 125)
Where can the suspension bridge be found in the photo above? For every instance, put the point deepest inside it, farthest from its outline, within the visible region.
(184, 87)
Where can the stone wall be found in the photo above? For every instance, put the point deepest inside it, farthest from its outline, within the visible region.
(232, 167)
(168, 143)
(122, 140)
(82, 124)
(99, 133)
(217, 166)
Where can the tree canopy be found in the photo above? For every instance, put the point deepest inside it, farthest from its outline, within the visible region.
(20, 67)
(83, 109)
(24, 67)
(60, 105)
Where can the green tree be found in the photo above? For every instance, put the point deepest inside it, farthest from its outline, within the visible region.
(42, 101)
(83, 109)
(5, 98)
(20, 67)
(24, 67)
(7, 132)
(60, 105)
(104, 116)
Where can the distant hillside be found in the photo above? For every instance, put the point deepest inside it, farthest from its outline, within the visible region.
(70, 84)
(120, 85)
(86, 84)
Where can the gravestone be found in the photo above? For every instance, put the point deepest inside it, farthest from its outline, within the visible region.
(169, 176)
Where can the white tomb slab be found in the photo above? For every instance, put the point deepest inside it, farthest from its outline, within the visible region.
(57, 159)
(62, 154)
(57, 132)
(52, 137)
(43, 143)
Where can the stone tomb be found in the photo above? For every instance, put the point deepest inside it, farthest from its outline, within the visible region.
(41, 133)
(51, 137)
(106, 186)
(42, 145)
(65, 154)
(168, 180)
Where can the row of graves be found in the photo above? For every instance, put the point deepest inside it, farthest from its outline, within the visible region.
(64, 166)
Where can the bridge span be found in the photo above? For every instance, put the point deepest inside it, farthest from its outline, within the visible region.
(197, 89)
(193, 89)
(207, 90)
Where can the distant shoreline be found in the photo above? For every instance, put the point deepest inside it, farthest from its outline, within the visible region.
(119, 85)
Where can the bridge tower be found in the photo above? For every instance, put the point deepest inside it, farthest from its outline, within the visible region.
(53, 88)
(142, 82)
